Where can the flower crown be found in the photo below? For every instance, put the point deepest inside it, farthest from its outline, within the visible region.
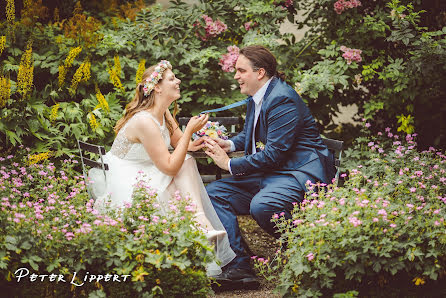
(156, 76)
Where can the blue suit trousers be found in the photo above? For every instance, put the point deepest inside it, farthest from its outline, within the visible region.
(261, 195)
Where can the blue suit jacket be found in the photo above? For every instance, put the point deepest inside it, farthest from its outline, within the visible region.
(292, 141)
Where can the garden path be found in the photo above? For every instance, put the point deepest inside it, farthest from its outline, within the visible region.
(262, 245)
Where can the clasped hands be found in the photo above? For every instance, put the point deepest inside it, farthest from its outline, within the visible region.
(217, 150)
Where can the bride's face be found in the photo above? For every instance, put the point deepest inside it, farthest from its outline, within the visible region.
(170, 85)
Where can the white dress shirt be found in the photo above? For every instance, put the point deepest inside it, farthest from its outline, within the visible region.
(258, 100)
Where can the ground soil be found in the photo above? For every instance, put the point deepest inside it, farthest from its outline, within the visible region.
(262, 245)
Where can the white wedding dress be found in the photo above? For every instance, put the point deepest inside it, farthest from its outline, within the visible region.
(126, 161)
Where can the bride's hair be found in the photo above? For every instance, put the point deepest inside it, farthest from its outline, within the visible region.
(141, 102)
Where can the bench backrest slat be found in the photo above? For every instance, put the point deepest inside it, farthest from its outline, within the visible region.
(92, 148)
(96, 149)
(94, 164)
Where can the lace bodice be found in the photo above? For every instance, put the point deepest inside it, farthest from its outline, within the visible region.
(123, 148)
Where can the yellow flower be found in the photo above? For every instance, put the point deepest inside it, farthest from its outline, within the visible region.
(10, 11)
(2, 43)
(25, 75)
(418, 281)
(86, 71)
(71, 55)
(211, 133)
(5, 90)
(82, 74)
(62, 74)
(117, 65)
(101, 99)
(114, 78)
(36, 158)
(54, 110)
(63, 69)
(93, 122)
(140, 71)
(295, 288)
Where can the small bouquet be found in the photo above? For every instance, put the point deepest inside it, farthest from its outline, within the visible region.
(213, 130)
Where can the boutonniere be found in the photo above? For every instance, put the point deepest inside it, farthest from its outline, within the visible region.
(260, 145)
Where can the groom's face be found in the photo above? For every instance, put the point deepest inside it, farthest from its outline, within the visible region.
(246, 76)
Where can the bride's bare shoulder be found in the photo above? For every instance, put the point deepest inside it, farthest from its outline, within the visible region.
(139, 126)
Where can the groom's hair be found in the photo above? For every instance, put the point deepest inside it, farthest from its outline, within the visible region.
(261, 57)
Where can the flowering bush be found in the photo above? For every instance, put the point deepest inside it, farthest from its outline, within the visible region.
(382, 232)
(398, 41)
(213, 130)
(48, 226)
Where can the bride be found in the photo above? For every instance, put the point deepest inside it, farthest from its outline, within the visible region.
(141, 144)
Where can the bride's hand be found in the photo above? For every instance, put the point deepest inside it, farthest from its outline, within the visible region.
(196, 145)
(196, 123)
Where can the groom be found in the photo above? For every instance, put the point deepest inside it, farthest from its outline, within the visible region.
(283, 150)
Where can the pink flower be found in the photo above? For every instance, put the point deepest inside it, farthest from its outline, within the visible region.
(412, 189)
(247, 25)
(382, 212)
(310, 256)
(227, 61)
(69, 235)
(341, 5)
(352, 55)
(212, 28)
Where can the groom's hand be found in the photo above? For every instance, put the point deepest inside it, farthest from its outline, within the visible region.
(217, 153)
(224, 144)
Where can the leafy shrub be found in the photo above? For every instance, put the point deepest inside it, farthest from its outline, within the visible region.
(399, 75)
(381, 233)
(48, 225)
(65, 67)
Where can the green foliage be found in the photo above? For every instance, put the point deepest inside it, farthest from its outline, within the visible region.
(400, 71)
(49, 225)
(154, 34)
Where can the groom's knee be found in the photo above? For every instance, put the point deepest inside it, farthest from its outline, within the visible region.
(212, 189)
(261, 213)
